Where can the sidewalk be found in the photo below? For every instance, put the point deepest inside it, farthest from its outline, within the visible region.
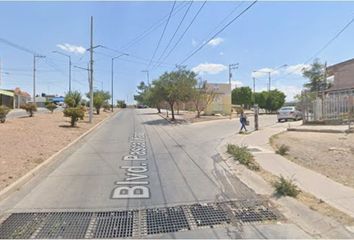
(333, 193)
(322, 128)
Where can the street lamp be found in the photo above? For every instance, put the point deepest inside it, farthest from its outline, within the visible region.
(68, 56)
(269, 76)
(121, 55)
(147, 75)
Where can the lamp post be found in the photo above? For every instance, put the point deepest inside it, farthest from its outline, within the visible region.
(269, 75)
(69, 57)
(147, 75)
(113, 58)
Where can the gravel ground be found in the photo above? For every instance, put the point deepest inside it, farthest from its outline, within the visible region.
(330, 154)
(26, 142)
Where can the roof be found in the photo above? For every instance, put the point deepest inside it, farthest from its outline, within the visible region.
(19, 92)
(7, 93)
(341, 64)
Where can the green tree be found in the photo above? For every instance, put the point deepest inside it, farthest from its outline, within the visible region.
(141, 93)
(74, 109)
(202, 97)
(73, 99)
(154, 95)
(242, 96)
(121, 104)
(99, 98)
(75, 113)
(30, 108)
(51, 106)
(4, 110)
(275, 100)
(177, 86)
(260, 99)
(315, 74)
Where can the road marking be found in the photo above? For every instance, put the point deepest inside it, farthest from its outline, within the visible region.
(135, 174)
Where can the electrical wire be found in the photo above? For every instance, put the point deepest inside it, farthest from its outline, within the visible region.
(162, 35)
(174, 34)
(218, 32)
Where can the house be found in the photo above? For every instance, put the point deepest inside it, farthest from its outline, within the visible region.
(343, 78)
(222, 101)
(14, 98)
(21, 97)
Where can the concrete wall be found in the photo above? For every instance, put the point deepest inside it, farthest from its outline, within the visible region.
(222, 101)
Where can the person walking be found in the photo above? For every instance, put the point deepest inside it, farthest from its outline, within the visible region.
(243, 120)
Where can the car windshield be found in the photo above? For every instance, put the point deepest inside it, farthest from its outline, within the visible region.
(163, 119)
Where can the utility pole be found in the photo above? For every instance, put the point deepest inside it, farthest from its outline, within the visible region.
(254, 89)
(112, 74)
(147, 76)
(232, 66)
(69, 57)
(34, 75)
(91, 72)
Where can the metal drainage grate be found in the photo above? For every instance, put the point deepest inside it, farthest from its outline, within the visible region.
(114, 224)
(208, 215)
(165, 220)
(255, 214)
(65, 225)
(21, 225)
(135, 223)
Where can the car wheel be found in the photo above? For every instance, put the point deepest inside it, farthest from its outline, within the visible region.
(279, 120)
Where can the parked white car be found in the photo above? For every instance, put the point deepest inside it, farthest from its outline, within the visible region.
(286, 113)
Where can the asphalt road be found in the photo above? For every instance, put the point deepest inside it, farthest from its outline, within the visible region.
(137, 160)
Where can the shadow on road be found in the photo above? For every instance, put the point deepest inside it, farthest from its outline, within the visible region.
(163, 122)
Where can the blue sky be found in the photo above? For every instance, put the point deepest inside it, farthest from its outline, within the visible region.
(267, 36)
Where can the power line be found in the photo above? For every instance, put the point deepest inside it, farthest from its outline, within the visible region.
(14, 45)
(151, 29)
(184, 33)
(331, 40)
(163, 33)
(174, 34)
(323, 48)
(217, 33)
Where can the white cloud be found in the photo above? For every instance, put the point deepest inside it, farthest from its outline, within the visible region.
(297, 69)
(235, 84)
(221, 53)
(264, 72)
(194, 43)
(211, 68)
(72, 48)
(215, 41)
(290, 91)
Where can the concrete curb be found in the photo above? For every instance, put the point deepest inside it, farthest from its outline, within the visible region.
(320, 130)
(32, 173)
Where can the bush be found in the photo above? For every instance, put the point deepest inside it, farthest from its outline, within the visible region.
(73, 99)
(3, 112)
(75, 113)
(106, 106)
(30, 108)
(285, 187)
(243, 156)
(51, 106)
(283, 150)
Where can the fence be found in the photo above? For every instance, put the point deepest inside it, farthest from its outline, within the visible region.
(329, 109)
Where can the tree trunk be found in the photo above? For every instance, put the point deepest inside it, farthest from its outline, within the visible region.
(198, 114)
(158, 109)
(172, 112)
(98, 111)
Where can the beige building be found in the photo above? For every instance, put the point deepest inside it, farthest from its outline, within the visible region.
(222, 101)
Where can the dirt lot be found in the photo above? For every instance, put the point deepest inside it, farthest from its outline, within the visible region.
(330, 154)
(26, 142)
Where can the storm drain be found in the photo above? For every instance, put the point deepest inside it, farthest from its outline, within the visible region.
(209, 215)
(65, 225)
(134, 223)
(114, 224)
(21, 225)
(165, 220)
